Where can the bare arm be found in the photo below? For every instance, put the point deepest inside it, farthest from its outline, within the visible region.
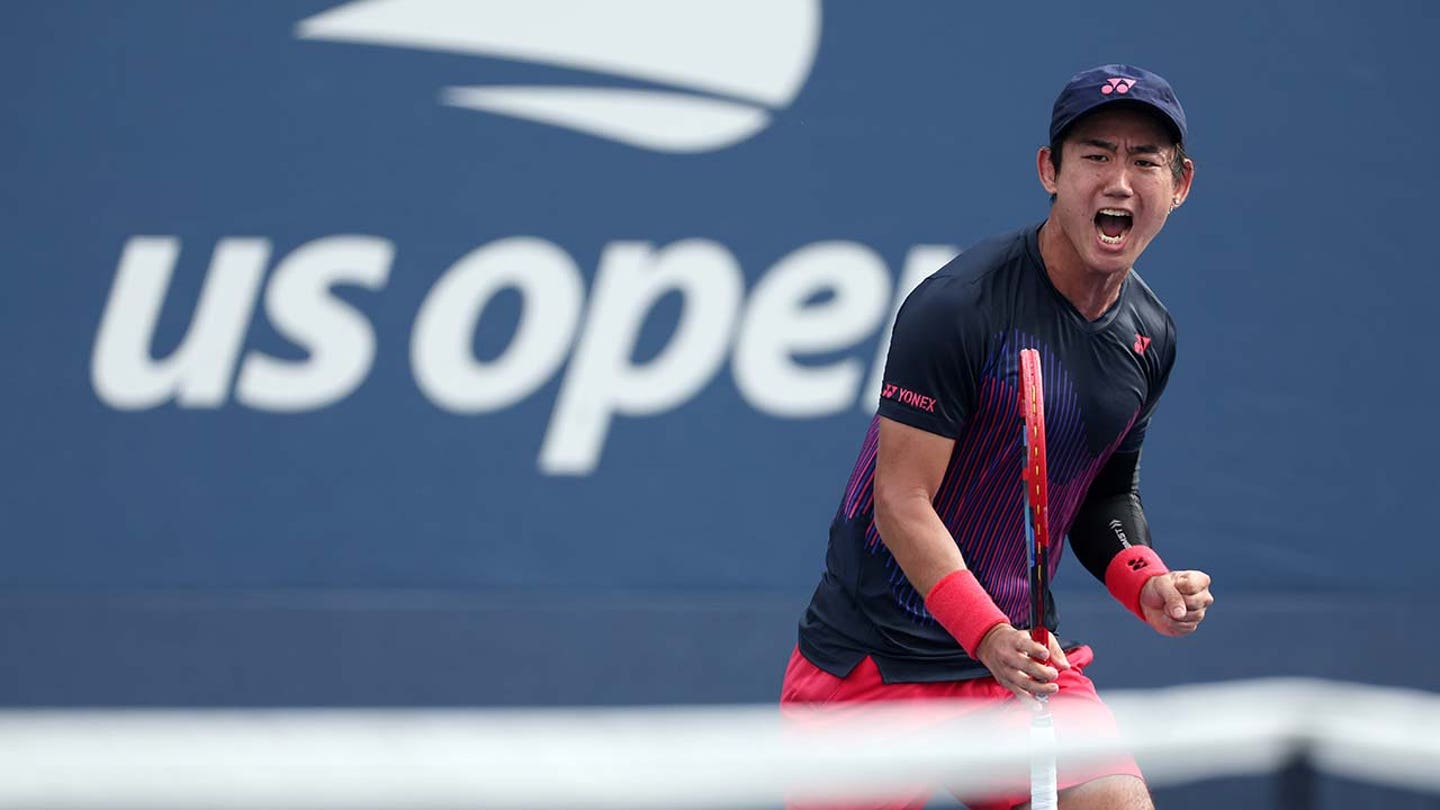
(909, 467)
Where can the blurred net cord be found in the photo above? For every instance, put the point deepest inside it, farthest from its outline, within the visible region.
(703, 757)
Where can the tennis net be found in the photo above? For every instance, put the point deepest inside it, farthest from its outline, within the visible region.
(696, 757)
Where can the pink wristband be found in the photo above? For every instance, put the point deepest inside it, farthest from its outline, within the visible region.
(961, 606)
(1127, 574)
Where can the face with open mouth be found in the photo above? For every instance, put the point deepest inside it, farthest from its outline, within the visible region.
(1114, 189)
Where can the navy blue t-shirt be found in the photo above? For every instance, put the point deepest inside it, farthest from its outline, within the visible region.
(952, 370)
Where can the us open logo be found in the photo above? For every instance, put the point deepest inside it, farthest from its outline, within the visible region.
(720, 69)
(795, 343)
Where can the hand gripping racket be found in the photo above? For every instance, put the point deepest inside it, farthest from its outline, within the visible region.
(1037, 544)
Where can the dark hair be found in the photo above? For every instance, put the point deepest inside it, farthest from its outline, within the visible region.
(1177, 160)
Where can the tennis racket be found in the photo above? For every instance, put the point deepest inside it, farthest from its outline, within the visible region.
(1037, 544)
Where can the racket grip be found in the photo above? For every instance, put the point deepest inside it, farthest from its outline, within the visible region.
(1042, 760)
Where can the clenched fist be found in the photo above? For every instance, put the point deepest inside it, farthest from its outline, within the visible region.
(1174, 603)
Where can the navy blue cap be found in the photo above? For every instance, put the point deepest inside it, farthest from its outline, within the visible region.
(1092, 88)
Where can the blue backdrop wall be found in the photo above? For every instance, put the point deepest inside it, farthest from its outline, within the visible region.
(365, 353)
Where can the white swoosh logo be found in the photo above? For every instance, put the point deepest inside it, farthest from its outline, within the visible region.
(727, 64)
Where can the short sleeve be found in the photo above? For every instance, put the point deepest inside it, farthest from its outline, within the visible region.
(930, 379)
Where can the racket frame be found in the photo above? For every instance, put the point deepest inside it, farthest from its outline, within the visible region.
(1034, 476)
(1037, 495)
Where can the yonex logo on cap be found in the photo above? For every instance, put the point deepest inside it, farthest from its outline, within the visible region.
(1115, 82)
(1121, 86)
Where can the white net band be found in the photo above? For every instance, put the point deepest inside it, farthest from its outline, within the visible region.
(728, 757)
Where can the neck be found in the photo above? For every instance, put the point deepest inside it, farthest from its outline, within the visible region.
(1091, 292)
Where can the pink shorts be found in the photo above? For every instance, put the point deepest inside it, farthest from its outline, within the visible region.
(1075, 706)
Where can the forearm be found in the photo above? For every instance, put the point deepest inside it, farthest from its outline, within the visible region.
(1106, 526)
(1111, 519)
(908, 468)
(916, 537)
(1110, 535)
(928, 556)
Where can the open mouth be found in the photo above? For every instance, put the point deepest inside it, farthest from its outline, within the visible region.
(1113, 224)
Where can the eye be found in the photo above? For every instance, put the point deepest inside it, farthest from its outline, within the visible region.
(1097, 157)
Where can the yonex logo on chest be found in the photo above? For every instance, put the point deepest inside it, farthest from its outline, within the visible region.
(1141, 343)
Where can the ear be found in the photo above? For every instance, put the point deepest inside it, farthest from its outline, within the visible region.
(1182, 190)
(1046, 170)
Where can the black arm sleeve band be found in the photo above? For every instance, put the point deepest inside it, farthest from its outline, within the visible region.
(1111, 519)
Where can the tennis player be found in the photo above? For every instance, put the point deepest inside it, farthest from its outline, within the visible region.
(924, 591)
